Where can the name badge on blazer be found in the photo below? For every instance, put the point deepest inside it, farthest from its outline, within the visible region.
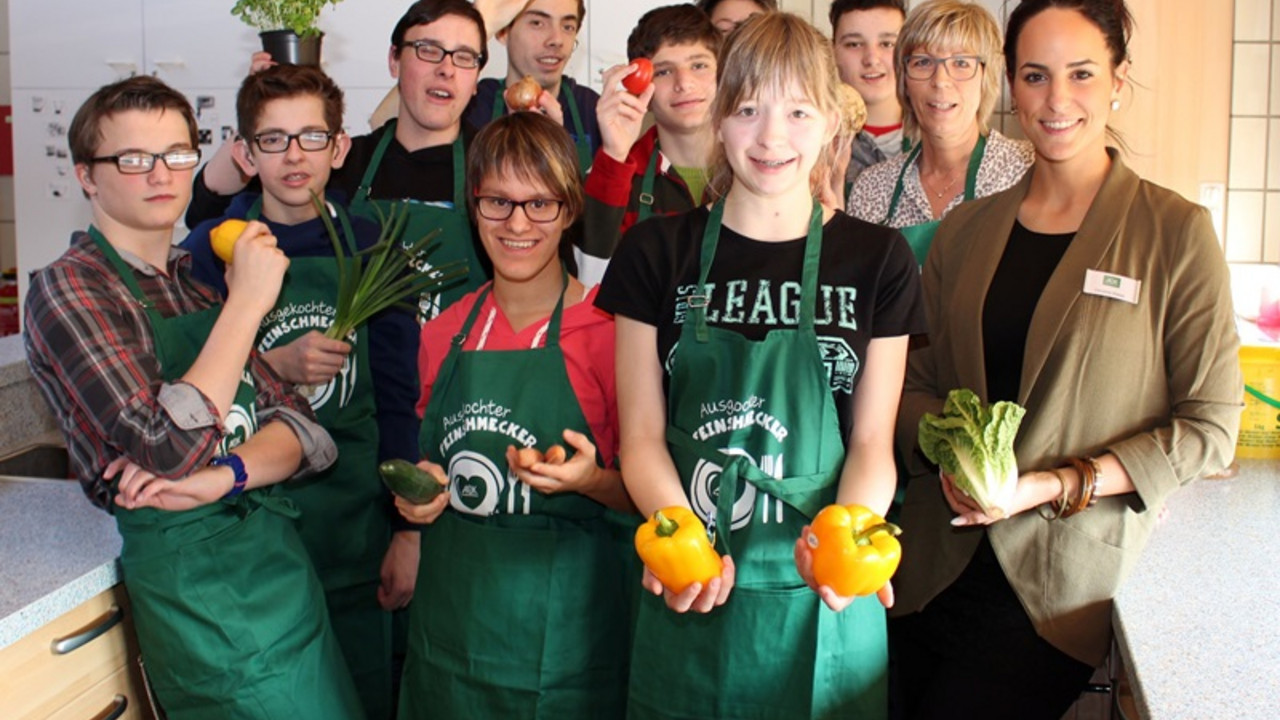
(1110, 285)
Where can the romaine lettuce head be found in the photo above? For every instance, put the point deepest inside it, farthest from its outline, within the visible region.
(974, 444)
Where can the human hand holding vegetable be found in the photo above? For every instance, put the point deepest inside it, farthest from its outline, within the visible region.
(312, 359)
(620, 113)
(415, 510)
(255, 266)
(846, 552)
(527, 95)
(680, 564)
(556, 472)
(973, 445)
(1032, 490)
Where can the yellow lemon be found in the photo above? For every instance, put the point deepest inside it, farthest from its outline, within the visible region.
(223, 238)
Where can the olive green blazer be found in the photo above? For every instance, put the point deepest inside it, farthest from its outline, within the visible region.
(1157, 383)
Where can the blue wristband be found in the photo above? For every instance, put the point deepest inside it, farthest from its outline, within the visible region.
(236, 464)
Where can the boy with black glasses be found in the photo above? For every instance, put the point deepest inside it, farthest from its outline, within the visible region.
(179, 429)
(290, 123)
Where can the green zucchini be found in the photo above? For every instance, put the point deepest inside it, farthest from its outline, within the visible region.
(410, 481)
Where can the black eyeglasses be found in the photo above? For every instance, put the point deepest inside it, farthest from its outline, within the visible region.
(136, 162)
(539, 210)
(278, 142)
(959, 67)
(429, 51)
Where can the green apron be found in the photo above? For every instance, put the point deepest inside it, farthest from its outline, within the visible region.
(920, 237)
(759, 411)
(645, 210)
(228, 611)
(454, 243)
(521, 610)
(344, 524)
(580, 142)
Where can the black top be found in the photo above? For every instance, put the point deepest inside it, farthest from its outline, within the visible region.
(869, 287)
(1025, 268)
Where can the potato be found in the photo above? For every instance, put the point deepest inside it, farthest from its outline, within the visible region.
(527, 457)
(556, 455)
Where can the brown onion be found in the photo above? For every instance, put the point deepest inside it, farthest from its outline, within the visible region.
(524, 94)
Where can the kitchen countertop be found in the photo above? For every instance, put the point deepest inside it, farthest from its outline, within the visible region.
(56, 551)
(13, 360)
(1198, 620)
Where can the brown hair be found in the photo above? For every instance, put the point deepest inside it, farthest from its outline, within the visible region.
(533, 148)
(582, 14)
(286, 81)
(425, 12)
(707, 6)
(142, 92)
(773, 52)
(671, 25)
(950, 23)
(839, 8)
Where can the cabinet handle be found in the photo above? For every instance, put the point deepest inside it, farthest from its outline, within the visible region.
(109, 619)
(123, 68)
(119, 704)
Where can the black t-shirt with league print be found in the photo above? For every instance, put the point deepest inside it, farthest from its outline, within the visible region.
(869, 286)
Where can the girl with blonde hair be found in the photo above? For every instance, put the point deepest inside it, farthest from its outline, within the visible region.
(761, 345)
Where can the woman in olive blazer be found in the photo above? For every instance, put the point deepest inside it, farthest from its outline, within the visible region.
(1130, 358)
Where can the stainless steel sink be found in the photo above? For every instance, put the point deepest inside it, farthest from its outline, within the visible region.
(38, 461)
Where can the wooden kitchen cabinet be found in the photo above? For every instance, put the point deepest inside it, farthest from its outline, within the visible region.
(83, 664)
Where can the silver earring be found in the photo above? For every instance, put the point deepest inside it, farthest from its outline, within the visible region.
(1115, 104)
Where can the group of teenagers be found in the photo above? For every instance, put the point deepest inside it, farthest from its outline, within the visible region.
(744, 307)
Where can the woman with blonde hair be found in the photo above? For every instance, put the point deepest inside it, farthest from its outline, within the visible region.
(948, 63)
(761, 345)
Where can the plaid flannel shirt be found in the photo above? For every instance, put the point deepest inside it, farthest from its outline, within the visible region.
(90, 349)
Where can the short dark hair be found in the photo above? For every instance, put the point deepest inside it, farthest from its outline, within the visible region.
(425, 12)
(707, 6)
(141, 92)
(840, 7)
(582, 13)
(532, 147)
(286, 81)
(671, 25)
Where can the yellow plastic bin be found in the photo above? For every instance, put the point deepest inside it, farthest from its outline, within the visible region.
(1260, 423)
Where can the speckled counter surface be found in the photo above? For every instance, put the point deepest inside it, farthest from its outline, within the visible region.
(56, 551)
(1198, 621)
(24, 418)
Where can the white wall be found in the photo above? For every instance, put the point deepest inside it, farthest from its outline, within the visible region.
(8, 249)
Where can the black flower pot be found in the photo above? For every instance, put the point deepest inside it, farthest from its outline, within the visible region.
(287, 48)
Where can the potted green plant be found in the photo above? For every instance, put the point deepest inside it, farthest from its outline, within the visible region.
(287, 27)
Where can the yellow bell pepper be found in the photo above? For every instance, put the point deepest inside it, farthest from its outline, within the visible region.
(855, 551)
(673, 544)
